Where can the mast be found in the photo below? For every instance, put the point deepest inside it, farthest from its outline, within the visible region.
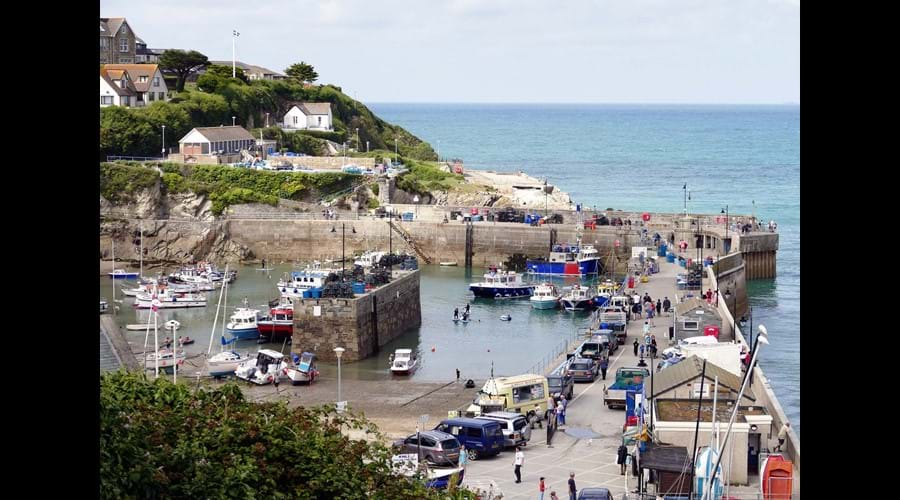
(218, 304)
(141, 273)
(113, 241)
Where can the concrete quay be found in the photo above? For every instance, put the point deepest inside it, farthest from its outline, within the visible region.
(593, 460)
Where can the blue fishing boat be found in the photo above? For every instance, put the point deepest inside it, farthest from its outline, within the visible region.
(501, 285)
(567, 260)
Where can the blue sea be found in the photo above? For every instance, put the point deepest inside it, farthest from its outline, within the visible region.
(638, 157)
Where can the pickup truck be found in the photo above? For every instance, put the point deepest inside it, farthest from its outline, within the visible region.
(617, 320)
(627, 379)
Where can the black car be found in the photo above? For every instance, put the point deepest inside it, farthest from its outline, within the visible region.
(561, 385)
(594, 494)
(554, 219)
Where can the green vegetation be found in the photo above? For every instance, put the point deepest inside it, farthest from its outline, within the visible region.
(302, 72)
(424, 177)
(217, 97)
(224, 185)
(182, 63)
(119, 183)
(372, 203)
(162, 440)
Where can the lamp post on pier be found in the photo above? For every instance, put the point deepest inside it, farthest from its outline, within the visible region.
(164, 141)
(339, 351)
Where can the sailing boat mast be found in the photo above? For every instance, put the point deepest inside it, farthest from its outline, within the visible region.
(212, 332)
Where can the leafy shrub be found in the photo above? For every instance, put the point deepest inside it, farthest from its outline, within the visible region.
(119, 182)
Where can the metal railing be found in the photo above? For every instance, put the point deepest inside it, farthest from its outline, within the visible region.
(559, 349)
(134, 158)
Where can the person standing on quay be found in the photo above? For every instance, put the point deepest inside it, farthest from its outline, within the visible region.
(636, 344)
(541, 489)
(667, 304)
(659, 307)
(620, 458)
(463, 458)
(519, 461)
(572, 489)
(604, 365)
(782, 435)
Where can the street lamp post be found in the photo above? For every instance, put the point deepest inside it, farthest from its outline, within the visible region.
(725, 211)
(367, 146)
(164, 141)
(267, 120)
(233, 118)
(339, 351)
(416, 201)
(357, 139)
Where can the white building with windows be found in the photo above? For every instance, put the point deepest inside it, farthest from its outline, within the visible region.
(308, 116)
(211, 141)
(116, 88)
(147, 83)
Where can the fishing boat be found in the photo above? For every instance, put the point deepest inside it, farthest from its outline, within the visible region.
(501, 285)
(403, 361)
(170, 300)
(104, 306)
(278, 324)
(243, 323)
(304, 369)
(267, 367)
(299, 282)
(546, 296)
(369, 259)
(605, 290)
(567, 260)
(776, 477)
(578, 298)
(121, 274)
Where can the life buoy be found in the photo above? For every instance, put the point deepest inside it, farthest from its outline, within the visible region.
(284, 289)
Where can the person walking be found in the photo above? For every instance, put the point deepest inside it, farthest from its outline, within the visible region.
(467, 308)
(659, 307)
(456, 313)
(667, 304)
(604, 365)
(647, 330)
(636, 344)
(572, 489)
(519, 461)
(463, 457)
(457, 374)
(537, 416)
(560, 414)
(620, 458)
(782, 435)
(541, 489)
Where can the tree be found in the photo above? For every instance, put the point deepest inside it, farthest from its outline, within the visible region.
(225, 72)
(182, 64)
(302, 72)
(162, 440)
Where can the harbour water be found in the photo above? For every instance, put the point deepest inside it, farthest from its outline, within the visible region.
(638, 157)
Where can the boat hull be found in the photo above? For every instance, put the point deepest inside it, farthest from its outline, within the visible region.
(243, 333)
(544, 303)
(580, 268)
(489, 292)
(171, 305)
(123, 276)
(576, 304)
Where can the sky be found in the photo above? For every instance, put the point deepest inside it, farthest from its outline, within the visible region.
(501, 51)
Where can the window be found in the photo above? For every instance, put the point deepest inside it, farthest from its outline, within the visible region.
(473, 432)
(124, 29)
(295, 120)
(428, 442)
(142, 78)
(412, 440)
(123, 45)
(320, 121)
(126, 100)
(123, 83)
(690, 325)
(104, 42)
(140, 97)
(150, 96)
(162, 96)
(205, 149)
(156, 81)
(106, 99)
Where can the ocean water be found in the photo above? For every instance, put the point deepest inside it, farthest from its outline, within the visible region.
(638, 157)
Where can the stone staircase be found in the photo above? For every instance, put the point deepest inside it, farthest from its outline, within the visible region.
(397, 228)
(109, 361)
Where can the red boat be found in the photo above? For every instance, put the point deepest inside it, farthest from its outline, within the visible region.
(776, 477)
(278, 324)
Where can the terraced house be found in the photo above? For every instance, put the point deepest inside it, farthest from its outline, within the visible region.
(117, 41)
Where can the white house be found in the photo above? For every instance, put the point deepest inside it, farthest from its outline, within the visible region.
(209, 141)
(308, 116)
(116, 88)
(147, 80)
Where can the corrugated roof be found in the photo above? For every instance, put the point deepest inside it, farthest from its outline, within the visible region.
(135, 71)
(666, 458)
(229, 133)
(690, 369)
(694, 303)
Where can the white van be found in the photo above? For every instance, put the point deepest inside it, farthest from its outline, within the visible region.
(514, 425)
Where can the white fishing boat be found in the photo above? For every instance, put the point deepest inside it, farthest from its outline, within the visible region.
(298, 282)
(578, 298)
(167, 359)
(546, 296)
(170, 300)
(267, 367)
(121, 274)
(449, 263)
(369, 259)
(243, 324)
(403, 361)
(304, 369)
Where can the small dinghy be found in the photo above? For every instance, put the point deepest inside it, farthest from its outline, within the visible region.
(449, 264)
(172, 325)
(139, 327)
(506, 317)
(185, 340)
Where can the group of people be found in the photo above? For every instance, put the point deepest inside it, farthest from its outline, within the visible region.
(465, 315)
(648, 346)
(519, 461)
(641, 304)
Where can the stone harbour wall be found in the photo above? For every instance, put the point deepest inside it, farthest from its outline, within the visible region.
(360, 325)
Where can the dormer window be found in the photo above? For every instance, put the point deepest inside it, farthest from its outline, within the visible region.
(124, 30)
(142, 79)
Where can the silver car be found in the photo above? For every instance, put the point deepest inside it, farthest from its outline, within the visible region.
(514, 426)
(436, 447)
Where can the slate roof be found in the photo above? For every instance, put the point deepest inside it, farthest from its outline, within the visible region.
(690, 370)
(215, 134)
(135, 71)
(111, 24)
(313, 108)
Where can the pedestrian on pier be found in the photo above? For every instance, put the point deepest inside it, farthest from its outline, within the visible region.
(537, 416)
(463, 457)
(642, 351)
(647, 331)
(667, 305)
(604, 365)
(620, 458)
(782, 435)
(541, 489)
(560, 414)
(518, 462)
(659, 307)
(572, 489)
(457, 374)
(636, 344)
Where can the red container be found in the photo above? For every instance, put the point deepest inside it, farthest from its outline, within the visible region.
(631, 282)
(712, 331)
(631, 421)
(474, 211)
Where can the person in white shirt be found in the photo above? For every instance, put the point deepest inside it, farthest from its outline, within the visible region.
(520, 460)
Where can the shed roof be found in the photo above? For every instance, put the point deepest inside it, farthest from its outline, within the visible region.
(690, 369)
(666, 458)
(229, 133)
(313, 108)
(694, 303)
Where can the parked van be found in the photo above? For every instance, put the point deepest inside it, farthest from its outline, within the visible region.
(517, 394)
(561, 385)
(515, 427)
(482, 438)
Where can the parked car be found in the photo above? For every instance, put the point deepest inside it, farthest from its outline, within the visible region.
(612, 340)
(583, 370)
(436, 447)
(483, 438)
(594, 494)
(514, 426)
(561, 385)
